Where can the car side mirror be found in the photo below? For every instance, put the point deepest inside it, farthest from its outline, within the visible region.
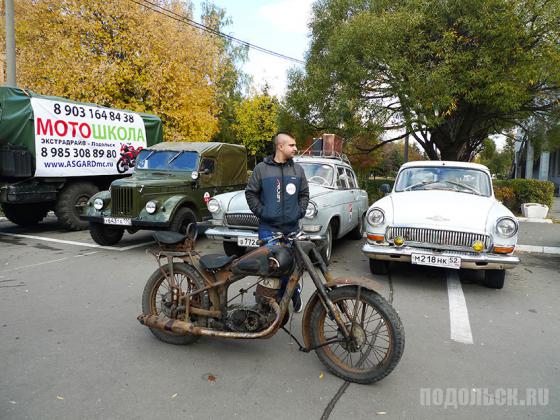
(385, 188)
(205, 171)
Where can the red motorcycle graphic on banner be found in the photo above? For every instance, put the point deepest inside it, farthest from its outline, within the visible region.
(128, 158)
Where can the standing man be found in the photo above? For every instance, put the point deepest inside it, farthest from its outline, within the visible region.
(278, 194)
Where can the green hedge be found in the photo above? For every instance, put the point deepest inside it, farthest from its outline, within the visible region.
(524, 191)
(512, 192)
(372, 187)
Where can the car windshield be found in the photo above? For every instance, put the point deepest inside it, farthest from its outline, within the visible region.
(166, 160)
(318, 173)
(465, 180)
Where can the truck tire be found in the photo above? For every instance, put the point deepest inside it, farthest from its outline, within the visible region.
(105, 235)
(25, 214)
(182, 219)
(71, 200)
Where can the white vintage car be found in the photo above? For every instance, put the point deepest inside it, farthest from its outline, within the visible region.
(442, 214)
(337, 207)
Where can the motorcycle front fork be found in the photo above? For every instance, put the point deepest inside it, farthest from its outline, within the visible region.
(332, 311)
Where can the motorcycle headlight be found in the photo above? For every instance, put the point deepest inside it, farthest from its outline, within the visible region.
(98, 204)
(506, 227)
(151, 207)
(375, 217)
(311, 210)
(213, 206)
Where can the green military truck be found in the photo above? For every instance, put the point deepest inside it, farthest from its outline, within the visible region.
(55, 153)
(170, 187)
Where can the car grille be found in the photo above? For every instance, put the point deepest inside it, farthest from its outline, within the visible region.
(122, 201)
(435, 238)
(242, 220)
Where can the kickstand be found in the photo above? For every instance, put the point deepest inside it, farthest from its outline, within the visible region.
(301, 348)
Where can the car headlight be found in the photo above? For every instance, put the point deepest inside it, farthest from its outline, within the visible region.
(375, 217)
(506, 227)
(311, 210)
(98, 203)
(151, 207)
(213, 206)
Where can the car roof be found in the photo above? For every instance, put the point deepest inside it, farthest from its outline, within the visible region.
(441, 163)
(200, 147)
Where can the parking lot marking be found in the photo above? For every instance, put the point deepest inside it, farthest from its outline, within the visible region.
(458, 313)
(35, 265)
(60, 241)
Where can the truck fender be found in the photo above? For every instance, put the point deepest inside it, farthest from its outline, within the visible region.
(315, 300)
(174, 203)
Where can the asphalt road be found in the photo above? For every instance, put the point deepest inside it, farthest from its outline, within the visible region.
(71, 348)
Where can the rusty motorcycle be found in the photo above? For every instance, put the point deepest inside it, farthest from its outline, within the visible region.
(353, 330)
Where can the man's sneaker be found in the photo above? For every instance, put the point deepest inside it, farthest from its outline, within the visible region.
(296, 300)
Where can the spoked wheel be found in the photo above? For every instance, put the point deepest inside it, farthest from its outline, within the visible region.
(157, 299)
(377, 336)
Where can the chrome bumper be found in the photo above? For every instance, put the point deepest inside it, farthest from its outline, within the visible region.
(231, 235)
(470, 261)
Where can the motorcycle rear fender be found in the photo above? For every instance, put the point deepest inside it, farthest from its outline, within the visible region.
(315, 300)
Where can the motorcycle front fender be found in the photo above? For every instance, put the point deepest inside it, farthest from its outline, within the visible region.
(315, 300)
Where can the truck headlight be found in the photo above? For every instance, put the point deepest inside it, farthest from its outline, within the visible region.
(98, 204)
(506, 227)
(213, 206)
(311, 210)
(151, 207)
(375, 217)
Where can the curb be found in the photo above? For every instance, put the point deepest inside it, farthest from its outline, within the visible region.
(538, 249)
(533, 220)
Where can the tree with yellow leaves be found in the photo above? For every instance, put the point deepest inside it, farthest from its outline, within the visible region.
(256, 121)
(121, 53)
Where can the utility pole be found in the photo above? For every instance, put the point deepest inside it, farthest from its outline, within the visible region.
(10, 44)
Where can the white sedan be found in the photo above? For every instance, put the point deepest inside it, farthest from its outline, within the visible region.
(442, 214)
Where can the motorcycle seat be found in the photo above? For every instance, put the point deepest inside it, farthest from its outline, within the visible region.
(169, 238)
(212, 262)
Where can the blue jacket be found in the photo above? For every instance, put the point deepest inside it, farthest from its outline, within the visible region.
(278, 194)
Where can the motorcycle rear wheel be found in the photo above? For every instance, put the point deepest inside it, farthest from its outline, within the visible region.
(155, 299)
(377, 330)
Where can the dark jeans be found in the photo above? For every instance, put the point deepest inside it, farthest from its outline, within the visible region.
(266, 235)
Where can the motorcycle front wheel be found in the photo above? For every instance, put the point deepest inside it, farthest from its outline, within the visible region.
(377, 336)
(157, 299)
(122, 165)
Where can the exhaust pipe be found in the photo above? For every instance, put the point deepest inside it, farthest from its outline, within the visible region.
(184, 328)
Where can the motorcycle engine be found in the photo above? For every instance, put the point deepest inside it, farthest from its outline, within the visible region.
(248, 319)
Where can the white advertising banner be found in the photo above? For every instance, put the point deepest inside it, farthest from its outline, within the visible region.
(78, 140)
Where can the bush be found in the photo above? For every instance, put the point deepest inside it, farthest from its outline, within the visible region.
(506, 195)
(372, 187)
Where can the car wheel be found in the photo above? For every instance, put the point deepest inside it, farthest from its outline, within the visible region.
(105, 235)
(379, 266)
(358, 232)
(494, 279)
(231, 248)
(182, 219)
(326, 250)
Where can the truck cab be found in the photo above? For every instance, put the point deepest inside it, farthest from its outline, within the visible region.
(170, 187)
